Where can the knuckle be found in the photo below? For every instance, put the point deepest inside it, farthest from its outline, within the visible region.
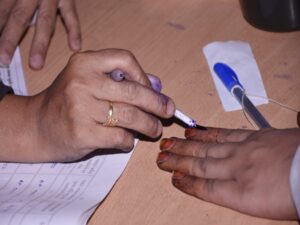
(199, 166)
(131, 91)
(154, 127)
(78, 57)
(20, 17)
(244, 169)
(206, 191)
(251, 156)
(127, 57)
(129, 114)
(75, 85)
(42, 45)
(203, 153)
(46, 20)
(210, 184)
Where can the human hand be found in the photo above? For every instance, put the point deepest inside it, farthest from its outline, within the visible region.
(16, 16)
(69, 115)
(244, 170)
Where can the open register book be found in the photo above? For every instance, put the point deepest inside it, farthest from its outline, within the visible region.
(53, 193)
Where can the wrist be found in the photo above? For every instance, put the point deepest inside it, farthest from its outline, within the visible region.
(18, 131)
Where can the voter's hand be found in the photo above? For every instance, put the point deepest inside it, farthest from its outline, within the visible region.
(244, 170)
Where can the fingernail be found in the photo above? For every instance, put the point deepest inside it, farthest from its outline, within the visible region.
(178, 175)
(162, 157)
(155, 82)
(166, 144)
(4, 61)
(199, 127)
(190, 132)
(36, 61)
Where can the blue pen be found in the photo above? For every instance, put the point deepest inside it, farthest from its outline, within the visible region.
(233, 85)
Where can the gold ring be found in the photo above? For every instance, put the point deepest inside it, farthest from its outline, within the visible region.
(110, 121)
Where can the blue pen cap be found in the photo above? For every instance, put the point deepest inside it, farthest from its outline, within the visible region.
(227, 76)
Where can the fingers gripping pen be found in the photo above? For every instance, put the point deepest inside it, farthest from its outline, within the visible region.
(118, 75)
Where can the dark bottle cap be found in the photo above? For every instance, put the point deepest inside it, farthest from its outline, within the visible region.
(272, 15)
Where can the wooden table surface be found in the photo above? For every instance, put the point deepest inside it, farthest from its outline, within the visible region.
(167, 37)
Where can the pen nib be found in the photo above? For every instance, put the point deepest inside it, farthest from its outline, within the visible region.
(192, 124)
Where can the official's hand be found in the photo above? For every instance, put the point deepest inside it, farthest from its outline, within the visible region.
(71, 113)
(244, 170)
(16, 16)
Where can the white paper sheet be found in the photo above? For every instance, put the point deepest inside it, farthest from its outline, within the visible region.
(53, 193)
(238, 55)
(56, 193)
(13, 75)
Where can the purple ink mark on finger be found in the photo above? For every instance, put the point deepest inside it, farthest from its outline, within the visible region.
(117, 75)
(155, 82)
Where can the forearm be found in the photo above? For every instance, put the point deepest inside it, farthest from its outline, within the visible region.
(18, 128)
(295, 180)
